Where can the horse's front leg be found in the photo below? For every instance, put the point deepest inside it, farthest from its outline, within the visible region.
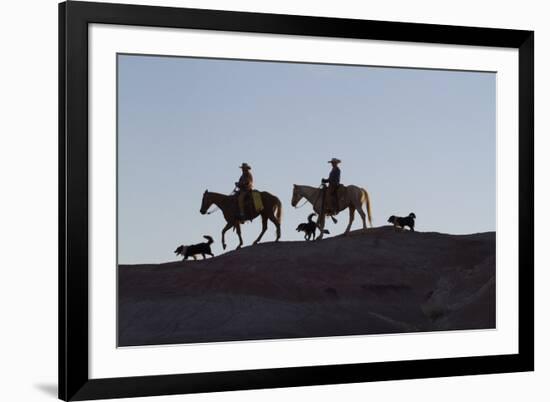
(264, 228)
(225, 229)
(321, 226)
(351, 216)
(238, 228)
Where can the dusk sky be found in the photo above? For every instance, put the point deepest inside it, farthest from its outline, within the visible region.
(420, 141)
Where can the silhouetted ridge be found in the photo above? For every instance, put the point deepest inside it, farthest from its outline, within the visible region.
(369, 282)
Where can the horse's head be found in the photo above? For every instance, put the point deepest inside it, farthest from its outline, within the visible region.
(296, 196)
(206, 202)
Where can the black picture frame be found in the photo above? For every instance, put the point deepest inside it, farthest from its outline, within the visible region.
(74, 381)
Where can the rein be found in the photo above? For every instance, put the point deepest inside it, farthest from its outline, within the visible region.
(214, 210)
(314, 202)
(300, 206)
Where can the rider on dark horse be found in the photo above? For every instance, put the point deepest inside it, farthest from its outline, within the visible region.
(244, 187)
(333, 184)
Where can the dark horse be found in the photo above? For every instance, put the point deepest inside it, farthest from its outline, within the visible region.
(229, 207)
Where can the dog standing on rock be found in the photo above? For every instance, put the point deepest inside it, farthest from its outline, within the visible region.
(194, 249)
(400, 222)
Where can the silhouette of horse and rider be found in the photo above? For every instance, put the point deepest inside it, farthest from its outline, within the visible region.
(330, 200)
(246, 203)
(267, 206)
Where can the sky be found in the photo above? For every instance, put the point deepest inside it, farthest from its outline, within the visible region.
(421, 141)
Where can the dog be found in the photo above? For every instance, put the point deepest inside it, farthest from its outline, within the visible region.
(195, 249)
(309, 228)
(400, 222)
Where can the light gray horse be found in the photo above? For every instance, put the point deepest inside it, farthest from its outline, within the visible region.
(352, 198)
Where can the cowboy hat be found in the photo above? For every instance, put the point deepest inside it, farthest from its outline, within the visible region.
(245, 166)
(334, 160)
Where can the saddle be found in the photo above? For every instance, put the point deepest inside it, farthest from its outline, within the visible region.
(251, 203)
(331, 202)
(257, 201)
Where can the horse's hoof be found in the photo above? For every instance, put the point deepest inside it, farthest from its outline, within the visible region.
(224, 246)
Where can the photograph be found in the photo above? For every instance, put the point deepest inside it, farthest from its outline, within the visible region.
(266, 200)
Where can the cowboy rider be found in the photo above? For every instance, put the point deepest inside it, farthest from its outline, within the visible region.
(244, 187)
(333, 182)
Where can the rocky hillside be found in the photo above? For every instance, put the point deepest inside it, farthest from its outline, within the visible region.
(370, 282)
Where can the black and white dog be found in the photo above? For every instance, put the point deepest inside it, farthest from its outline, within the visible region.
(194, 249)
(309, 228)
(400, 222)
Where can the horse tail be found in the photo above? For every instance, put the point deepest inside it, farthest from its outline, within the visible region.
(279, 210)
(367, 201)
